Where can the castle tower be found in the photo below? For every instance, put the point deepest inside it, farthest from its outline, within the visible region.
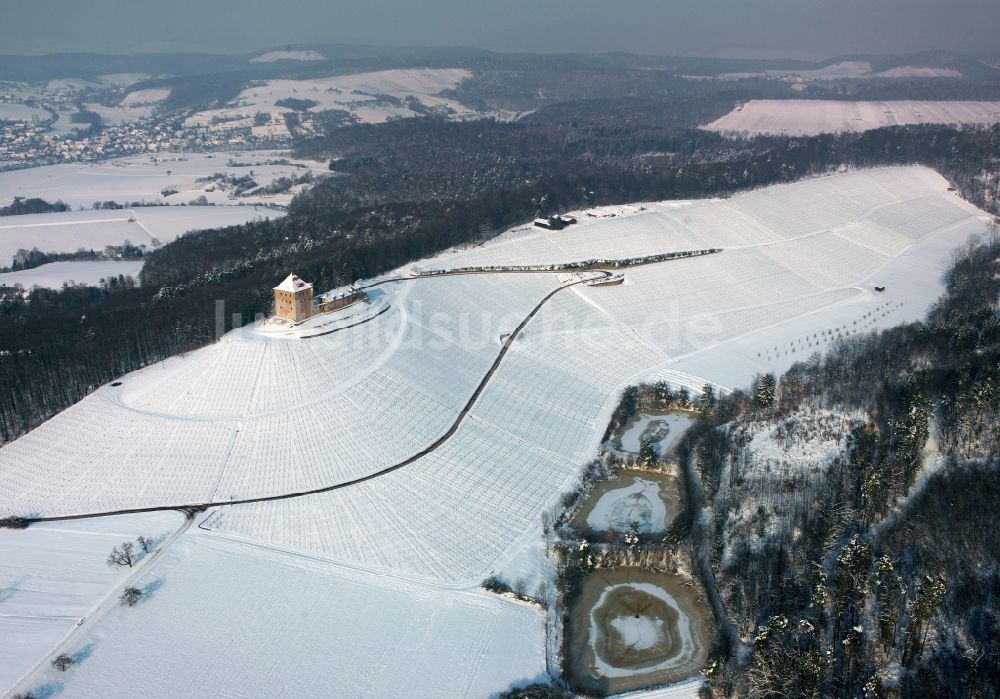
(293, 299)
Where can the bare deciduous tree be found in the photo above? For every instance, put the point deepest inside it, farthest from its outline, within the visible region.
(145, 543)
(122, 555)
(520, 587)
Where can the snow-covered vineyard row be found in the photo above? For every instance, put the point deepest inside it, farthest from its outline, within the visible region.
(840, 204)
(382, 568)
(258, 414)
(524, 444)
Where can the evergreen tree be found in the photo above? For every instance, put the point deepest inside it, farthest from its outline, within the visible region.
(647, 452)
(706, 401)
(765, 391)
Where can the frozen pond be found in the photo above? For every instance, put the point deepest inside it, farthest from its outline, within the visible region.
(631, 629)
(648, 499)
(665, 430)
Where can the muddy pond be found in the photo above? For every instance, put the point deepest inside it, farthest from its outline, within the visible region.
(631, 629)
(648, 498)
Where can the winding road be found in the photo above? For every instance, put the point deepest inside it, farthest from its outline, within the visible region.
(589, 273)
(592, 275)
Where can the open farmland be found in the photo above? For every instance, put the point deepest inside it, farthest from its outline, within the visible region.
(811, 117)
(409, 639)
(854, 70)
(368, 469)
(54, 574)
(54, 274)
(94, 230)
(21, 112)
(164, 178)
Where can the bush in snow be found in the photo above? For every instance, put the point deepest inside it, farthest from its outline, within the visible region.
(496, 585)
(130, 596)
(14, 523)
(62, 662)
(537, 691)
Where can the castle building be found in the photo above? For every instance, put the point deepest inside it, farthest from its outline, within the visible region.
(293, 299)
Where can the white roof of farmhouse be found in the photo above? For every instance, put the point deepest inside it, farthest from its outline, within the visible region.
(293, 283)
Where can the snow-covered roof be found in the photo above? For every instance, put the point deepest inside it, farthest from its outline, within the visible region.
(292, 283)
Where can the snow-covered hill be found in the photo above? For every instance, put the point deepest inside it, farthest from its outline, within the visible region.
(266, 412)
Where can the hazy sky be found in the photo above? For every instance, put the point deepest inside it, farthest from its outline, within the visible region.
(806, 28)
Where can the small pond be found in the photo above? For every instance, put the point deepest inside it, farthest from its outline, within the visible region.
(648, 498)
(631, 629)
(664, 430)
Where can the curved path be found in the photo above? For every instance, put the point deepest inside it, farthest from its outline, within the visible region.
(593, 275)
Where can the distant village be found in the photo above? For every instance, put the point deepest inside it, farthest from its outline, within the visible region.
(38, 142)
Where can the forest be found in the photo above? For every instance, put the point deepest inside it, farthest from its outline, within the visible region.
(878, 574)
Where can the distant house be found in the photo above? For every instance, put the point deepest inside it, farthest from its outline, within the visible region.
(555, 223)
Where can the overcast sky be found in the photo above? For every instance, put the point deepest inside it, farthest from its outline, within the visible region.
(759, 28)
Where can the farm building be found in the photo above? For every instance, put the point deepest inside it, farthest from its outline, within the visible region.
(555, 223)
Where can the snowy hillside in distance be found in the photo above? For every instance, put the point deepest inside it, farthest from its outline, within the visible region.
(810, 117)
(164, 178)
(272, 56)
(367, 469)
(55, 274)
(69, 231)
(371, 98)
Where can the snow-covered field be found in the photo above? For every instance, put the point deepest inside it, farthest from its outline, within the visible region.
(94, 230)
(272, 56)
(265, 412)
(164, 178)
(853, 70)
(810, 117)
(21, 112)
(919, 72)
(139, 98)
(362, 94)
(55, 274)
(53, 575)
(231, 619)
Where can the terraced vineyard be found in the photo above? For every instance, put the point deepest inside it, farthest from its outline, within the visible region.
(440, 431)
